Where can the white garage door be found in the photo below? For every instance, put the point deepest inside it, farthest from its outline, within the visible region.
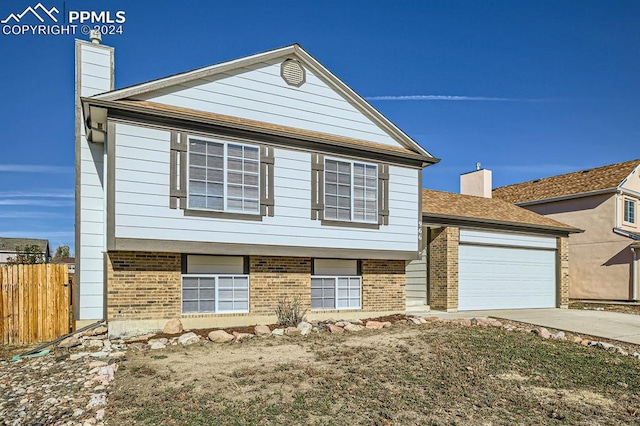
(506, 271)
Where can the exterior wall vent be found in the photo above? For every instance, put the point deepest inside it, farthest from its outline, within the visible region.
(292, 72)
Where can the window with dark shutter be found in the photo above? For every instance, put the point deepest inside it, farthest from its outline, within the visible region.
(383, 194)
(317, 186)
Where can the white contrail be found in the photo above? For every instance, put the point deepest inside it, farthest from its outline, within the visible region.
(34, 168)
(447, 98)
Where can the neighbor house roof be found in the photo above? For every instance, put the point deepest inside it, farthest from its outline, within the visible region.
(447, 208)
(10, 244)
(294, 50)
(581, 182)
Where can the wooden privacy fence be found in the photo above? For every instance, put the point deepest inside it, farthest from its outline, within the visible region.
(34, 303)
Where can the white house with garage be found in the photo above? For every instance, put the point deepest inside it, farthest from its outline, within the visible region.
(212, 194)
(481, 253)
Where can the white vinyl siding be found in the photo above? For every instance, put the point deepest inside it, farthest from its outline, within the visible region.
(215, 284)
(629, 211)
(94, 77)
(223, 176)
(142, 189)
(259, 93)
(336, 292)
(350, 191)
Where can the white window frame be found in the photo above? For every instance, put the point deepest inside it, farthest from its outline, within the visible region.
(630, 202)
(216, 293)
(225, 182)
(336, 279)
(351, 193)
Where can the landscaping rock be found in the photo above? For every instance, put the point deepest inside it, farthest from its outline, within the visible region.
(335, 329)
(157, 345)
(636, 355)
(220, 336)
(69, 342)
(356, 321)
(386, 324)
(96, 331)
(278, 332)
(117, 355)
(353, 328)
(415, 321)
(374, 325)
(607, 346)
(93, 344)
(99, 354)
(242, 336)
(77, 356)
(577, 339)
(544, 333)
(305, 328)
(188, 339)
(173, 326)
(97, 400)
(559, 336)
(292, 331)
(262, 330)
(139, 346)
(162, 340)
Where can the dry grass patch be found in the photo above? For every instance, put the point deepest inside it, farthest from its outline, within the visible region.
(407, 375)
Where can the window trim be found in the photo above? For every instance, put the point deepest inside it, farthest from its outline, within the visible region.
(335, 280)
(372, 224)
(633, 203)
(216, 293)
(225, 183)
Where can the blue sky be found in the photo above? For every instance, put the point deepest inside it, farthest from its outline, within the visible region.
(527, 88)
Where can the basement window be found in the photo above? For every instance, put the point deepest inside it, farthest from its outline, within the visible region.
(215, 284)
(336, 284)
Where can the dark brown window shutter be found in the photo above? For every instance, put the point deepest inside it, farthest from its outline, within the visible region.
(266, 181)
(383, 194)
(317, 186)
(178, 171)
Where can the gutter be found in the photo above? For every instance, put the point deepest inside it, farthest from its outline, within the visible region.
(627, 234)
(634, 283)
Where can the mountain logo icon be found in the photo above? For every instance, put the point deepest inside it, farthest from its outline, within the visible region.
(34, 11)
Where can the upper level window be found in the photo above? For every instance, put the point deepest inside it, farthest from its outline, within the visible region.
(629, 211)
(350, 191)
(223, 176)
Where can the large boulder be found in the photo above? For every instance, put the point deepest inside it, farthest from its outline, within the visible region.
(335, 329)
(305, 328)
(173, 326)
(374, 325)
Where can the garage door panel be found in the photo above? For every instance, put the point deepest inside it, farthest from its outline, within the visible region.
(505, 278)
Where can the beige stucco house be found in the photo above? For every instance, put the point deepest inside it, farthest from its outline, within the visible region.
(603, 201)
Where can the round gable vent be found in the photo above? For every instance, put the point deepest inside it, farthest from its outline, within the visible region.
(292, 72)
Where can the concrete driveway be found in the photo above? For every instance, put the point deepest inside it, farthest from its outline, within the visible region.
(610, 325)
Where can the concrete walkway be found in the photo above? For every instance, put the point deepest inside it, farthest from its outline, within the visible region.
(609, 325)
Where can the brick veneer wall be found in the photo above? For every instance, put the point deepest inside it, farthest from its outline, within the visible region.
(443, 268)
(143, 286)
(562, 262)
(273, 278)
(383, 285)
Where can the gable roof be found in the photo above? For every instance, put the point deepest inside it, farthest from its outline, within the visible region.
(10, 244)
(305, 58)
(447, 208)
(589, 181)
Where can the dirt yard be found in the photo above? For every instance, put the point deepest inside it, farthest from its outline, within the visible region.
(435, 374)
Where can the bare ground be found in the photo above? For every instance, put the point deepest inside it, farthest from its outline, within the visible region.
(625, 308)
(406, 375)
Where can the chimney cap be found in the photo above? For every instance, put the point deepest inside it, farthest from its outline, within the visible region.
(95, 36)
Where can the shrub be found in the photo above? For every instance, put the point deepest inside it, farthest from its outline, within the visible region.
(290, 312)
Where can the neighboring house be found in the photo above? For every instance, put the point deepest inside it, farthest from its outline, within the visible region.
(9, 248)
(212, 194)
(604, 202)
(483, 253)
(70, 262)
